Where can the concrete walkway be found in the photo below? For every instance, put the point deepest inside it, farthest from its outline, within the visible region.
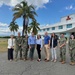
(35, 68)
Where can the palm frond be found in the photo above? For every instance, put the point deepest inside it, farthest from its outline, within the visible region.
(32, 7)
(34, 25)
(15, 9)
(24, 3)
(18, 6)
(26, 11)
(13, 26)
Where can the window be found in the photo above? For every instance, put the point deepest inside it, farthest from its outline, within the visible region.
(53, 28)
(40, 30)
(48, 29)
(69, 26)
(60, 27)
(43, 29)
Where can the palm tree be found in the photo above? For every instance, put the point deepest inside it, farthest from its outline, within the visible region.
(13, 27)
(26, 12)
(34, 27)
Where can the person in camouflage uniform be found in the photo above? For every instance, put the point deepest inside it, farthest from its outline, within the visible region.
(18, 48)
(72, 50)
(62, 43)
(24, 46)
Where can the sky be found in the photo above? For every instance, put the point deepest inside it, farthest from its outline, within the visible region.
(49, 12)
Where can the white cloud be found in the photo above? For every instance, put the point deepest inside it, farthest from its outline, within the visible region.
(1, 3)
(37, 3)
(3, 24)
(4, 30)
(71, 7)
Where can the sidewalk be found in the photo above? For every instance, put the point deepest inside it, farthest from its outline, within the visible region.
(35, 68)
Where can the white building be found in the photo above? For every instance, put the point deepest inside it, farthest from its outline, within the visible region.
(66, 26)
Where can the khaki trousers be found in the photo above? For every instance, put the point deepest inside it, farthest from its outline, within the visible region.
(47, 51)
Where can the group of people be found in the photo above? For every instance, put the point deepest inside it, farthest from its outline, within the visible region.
(25, 44)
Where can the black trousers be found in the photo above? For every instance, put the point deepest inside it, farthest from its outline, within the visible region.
(10, 54)
(39, 51)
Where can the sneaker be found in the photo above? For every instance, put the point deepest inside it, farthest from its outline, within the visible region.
(47, 60)
(52, 60)
(10, 60)
(39, 60)
(55, 60)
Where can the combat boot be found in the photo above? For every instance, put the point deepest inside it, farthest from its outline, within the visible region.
(72, 63)
(63, 62)
(60, 60)
(16, 60)
(21, 58)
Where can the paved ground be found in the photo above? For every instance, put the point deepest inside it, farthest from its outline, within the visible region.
(35, 68)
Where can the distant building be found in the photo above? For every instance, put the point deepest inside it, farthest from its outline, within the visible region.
(66, 26)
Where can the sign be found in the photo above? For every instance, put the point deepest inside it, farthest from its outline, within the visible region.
(68, 18)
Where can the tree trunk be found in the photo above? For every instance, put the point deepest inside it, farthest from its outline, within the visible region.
(25, 25)
(14, 33)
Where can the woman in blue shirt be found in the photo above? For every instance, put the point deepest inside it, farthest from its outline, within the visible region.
(39, 47)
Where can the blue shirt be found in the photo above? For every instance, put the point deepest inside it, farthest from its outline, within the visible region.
(39, 41)
(31, 40)
(46, 39)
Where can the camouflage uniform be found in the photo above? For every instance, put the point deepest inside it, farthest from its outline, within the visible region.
(18, 48)
(24, 45)
(72, 51)
(62, 49)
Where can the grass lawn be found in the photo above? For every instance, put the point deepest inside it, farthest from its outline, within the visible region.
(3, 45)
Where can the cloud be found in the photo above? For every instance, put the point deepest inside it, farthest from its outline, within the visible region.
(71, 7)
(37, 3)
(3, 24)
(4, 30)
